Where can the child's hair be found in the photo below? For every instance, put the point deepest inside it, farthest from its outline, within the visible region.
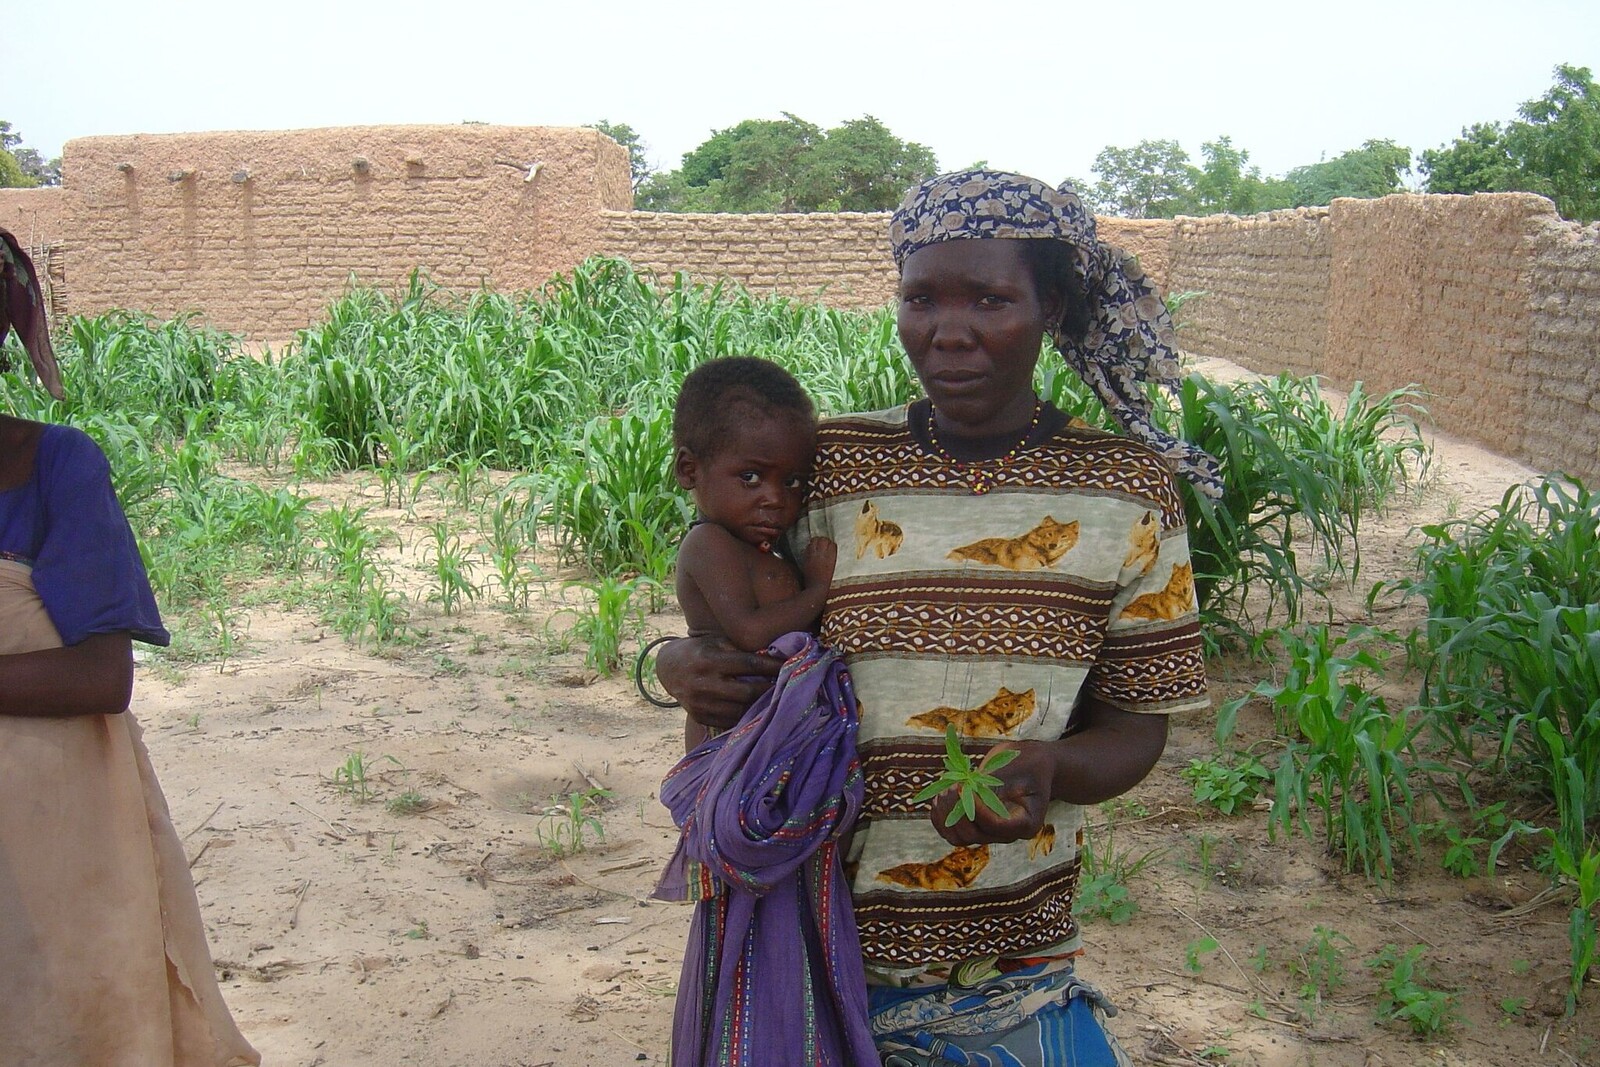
(720, 394)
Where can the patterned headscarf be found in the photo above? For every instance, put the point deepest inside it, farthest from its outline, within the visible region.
(1131, 339)
(22, 308)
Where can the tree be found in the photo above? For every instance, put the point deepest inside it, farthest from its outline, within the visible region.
(623, 134)
(1227, 183)
(12, 175)
(1372, 170)
(789, 164)
(1553, 149)
(1151, 180)
(1476, 162)
(1557, 143)
(22, 168)
(861, 166)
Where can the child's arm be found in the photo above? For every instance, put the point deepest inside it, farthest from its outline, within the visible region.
(717, 565)
(92, 677)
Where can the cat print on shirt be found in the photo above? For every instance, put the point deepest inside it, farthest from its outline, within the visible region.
(879, 535)
(1144, 544)
(1042, 843)
(957, 870)
(1173, 602)
(1042, 546)
(1000, 714)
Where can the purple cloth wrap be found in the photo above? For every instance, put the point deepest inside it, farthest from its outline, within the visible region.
(772, 974)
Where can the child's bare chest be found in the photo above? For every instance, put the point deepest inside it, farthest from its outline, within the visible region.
(773, 579)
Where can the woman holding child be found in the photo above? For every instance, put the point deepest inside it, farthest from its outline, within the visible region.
(1008, 572)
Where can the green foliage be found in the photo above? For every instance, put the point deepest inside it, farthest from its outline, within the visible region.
(973, 783)
(1151, 180)
(1245, 543)
(604, 624)
(1463, 843)
(1103, 891)
(1373, 170)
(1228, 784)
(1553, 149)
(1227, 183)
(24, 168)
(1348, 756)
(1513, 641)
(564, 826)
(788, 164)
(1557, 143)
(1320, 968)
(624, 135)
(1476, 162)
(1582, 871)
(1195, 951)
(352, 777)
(1406, 997)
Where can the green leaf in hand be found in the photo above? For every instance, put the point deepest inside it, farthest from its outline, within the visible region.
(973, 783)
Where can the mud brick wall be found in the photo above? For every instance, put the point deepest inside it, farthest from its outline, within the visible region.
(38, 219)
(1561, 383)
(843, 259)
(35, 216)
(1266, 280)
(260, 231)
(1151, 240)
(1434, 290)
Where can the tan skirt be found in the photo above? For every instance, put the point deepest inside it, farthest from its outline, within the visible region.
(103, 955)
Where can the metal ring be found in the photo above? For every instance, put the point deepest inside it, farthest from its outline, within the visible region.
(638, 673)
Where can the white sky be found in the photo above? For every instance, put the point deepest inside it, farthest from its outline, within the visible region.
(1038, 88)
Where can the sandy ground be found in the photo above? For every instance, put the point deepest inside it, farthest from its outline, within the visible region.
(346, 932)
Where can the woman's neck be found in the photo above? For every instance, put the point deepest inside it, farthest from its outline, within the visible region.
(986, 447)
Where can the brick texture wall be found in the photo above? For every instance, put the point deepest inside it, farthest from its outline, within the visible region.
(842, 258)
(38, 219)
(1561, 380)
(260, 231)
(1266, 283)
(1434, 290)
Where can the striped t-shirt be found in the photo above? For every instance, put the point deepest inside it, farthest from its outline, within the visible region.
(994, 612)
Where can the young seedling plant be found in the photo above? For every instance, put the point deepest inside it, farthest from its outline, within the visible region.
(973, 783)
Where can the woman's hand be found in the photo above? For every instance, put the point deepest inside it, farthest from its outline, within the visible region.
(1107, 753)
(714, 681)
(1024, 790)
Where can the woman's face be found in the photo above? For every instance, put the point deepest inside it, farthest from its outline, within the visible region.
(971, 321)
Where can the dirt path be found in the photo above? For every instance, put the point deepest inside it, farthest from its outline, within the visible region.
(350, 932)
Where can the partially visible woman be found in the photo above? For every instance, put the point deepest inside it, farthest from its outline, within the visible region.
(1011, 574)
(103, 955)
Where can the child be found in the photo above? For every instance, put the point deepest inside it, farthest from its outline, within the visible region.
(103, 956)
(772, 974)
(745, 432)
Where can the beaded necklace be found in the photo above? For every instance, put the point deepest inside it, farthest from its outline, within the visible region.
(980, 474)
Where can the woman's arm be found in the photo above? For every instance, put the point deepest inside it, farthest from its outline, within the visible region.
(713, 680)
(1109, 754)
(92, 677)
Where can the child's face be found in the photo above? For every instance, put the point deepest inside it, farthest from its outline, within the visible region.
(753, 484)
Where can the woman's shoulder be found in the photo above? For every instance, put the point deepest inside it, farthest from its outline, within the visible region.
(60, 444)
(1120, 464)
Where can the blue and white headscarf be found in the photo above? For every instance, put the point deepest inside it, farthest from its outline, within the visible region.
(1131, 338)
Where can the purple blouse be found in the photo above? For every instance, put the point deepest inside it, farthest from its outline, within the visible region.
(65, 521)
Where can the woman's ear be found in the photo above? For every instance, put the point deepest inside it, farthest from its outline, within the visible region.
(685, 468)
